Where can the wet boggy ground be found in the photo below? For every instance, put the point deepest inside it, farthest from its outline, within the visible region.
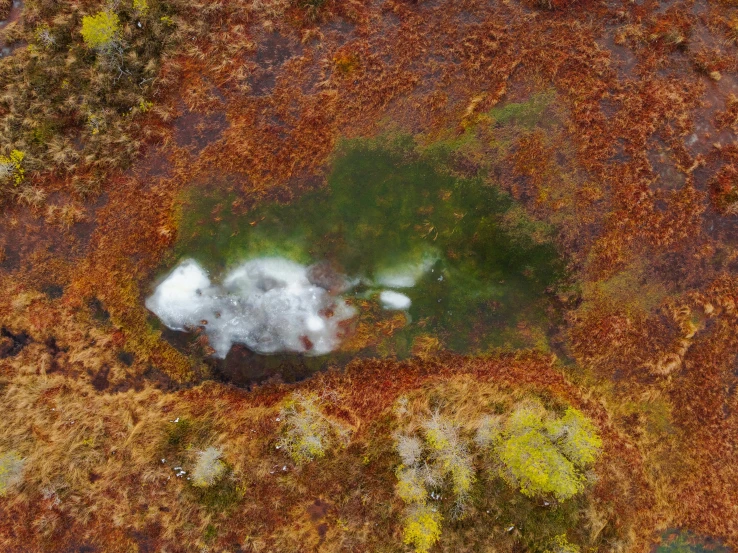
(612, 123)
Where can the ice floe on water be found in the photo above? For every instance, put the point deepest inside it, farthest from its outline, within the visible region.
(268, 304)
(394, 300)
(406, 275)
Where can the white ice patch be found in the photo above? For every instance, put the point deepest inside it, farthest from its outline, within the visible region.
(268, 304)
(394, 300)
(407, 274)
(183, 298)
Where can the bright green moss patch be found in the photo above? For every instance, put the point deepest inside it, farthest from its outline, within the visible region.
(526, 114)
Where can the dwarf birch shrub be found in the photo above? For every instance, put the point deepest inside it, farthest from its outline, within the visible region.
(561, 545)
(100, 31)
(209, 468)
(11, 167)
(422, 527)
(489, 432)
(450, 454)
(428, 464)
(306, 432)
(411, 486)
(11, 471)
(542, 455)
(410, 449)
(576, 437)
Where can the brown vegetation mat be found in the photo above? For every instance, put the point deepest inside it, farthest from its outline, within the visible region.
(639, 177)
(102, 466)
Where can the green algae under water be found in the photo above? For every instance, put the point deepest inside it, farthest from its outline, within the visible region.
(386, 205)
(684, 541)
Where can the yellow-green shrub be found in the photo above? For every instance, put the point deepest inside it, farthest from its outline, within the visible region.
(541, 454)
(576, 436)
(100, 31)
(306, 431)
(11, 167)
(410, 486)
(561, 545)
(532, 463)
(141, 6)
(422, 527)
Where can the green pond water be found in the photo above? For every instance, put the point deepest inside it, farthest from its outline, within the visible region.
(388, 207)
(684, 541)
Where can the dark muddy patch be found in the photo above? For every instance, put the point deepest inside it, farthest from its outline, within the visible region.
(10, 11)
(126, 358)
(272, 52)
(147, 539)
(623, 60)
(54, 291)
(318, 509)
(152, 376)
(196, 130)
(244, 368)
(100, 381)
(12, 344)
(98, 311)
(25, 234)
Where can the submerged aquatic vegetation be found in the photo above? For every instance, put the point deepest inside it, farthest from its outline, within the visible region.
(407, 235)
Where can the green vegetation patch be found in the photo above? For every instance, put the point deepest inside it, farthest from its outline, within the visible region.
(481, 268)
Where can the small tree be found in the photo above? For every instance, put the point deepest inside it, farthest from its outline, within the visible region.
(11, 471)
(100, 31)
(209, 468)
